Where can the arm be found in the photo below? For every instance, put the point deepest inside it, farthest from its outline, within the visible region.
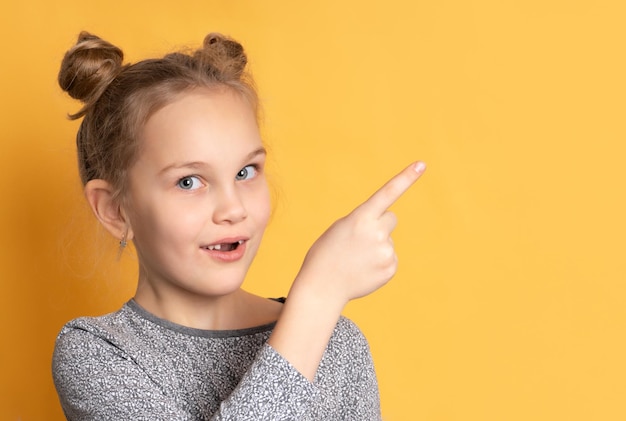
(353, 258)
(96, 379)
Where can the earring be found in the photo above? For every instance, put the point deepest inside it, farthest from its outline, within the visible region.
(122, 245)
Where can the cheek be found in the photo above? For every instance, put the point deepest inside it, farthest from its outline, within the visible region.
(162, 220)
(262, 206)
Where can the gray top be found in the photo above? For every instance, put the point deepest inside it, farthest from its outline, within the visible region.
(132, 365)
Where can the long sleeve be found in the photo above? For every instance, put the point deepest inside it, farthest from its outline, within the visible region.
(347, 377)
(270, 390)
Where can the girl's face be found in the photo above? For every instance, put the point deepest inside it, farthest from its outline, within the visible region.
(198, 201)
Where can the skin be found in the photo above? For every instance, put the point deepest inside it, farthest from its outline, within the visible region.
(197, 182)
(212, 136)
(353, 258)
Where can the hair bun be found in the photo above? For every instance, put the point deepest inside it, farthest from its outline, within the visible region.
(224, 54)
(88, 68)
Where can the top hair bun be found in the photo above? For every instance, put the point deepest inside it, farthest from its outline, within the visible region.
(224, 55)
(88, 68)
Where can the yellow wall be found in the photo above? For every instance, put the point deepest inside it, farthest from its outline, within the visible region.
(509, 301)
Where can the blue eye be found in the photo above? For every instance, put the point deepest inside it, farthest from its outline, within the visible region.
(246, 173)
(189, 183)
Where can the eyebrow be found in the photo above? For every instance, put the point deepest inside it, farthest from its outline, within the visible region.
(201, 164)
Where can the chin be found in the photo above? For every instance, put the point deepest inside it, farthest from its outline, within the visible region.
(217, 287)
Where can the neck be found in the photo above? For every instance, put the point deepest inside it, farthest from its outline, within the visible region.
(234, 310)
(193, 310)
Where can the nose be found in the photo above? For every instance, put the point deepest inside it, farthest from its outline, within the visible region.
(229, 208)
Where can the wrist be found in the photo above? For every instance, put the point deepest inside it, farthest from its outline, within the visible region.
(318, 291)
(306, 323)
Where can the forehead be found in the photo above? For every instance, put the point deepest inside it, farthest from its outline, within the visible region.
(202, 124)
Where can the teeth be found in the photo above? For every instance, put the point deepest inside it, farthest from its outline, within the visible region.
(219, 246)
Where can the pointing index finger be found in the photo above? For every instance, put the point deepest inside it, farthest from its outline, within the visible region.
(393, 189)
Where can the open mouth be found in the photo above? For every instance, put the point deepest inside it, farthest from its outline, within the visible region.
(224, 246)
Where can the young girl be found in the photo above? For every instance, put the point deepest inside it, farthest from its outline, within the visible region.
(171, 159)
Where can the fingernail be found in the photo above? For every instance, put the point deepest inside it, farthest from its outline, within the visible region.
(419, 167)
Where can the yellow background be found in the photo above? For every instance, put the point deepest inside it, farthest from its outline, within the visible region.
(509, 300)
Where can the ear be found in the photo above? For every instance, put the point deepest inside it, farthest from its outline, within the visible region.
(107, 209)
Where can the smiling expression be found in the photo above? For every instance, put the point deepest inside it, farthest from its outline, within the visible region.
(198, 201)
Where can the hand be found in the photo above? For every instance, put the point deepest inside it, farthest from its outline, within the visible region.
(355, 256)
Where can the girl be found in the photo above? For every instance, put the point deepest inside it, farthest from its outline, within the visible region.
(171, 159)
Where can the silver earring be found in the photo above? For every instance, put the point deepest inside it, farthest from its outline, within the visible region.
(123, 243)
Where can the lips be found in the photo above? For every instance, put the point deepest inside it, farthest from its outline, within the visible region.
(226, 250)
(224, 246)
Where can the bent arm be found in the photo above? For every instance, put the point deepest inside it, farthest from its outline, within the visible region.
(353, 258)
(96, 380)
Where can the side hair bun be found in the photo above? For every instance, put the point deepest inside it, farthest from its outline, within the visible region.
(88, 68)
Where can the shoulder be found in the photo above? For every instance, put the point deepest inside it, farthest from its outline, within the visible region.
(101, 370)
(83, 347)
(106, 327)
(83, 333)
(85, 341)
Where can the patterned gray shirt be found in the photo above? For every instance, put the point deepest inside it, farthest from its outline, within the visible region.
(132, 365)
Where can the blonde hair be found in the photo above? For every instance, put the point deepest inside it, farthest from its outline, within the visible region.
(119, 98)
